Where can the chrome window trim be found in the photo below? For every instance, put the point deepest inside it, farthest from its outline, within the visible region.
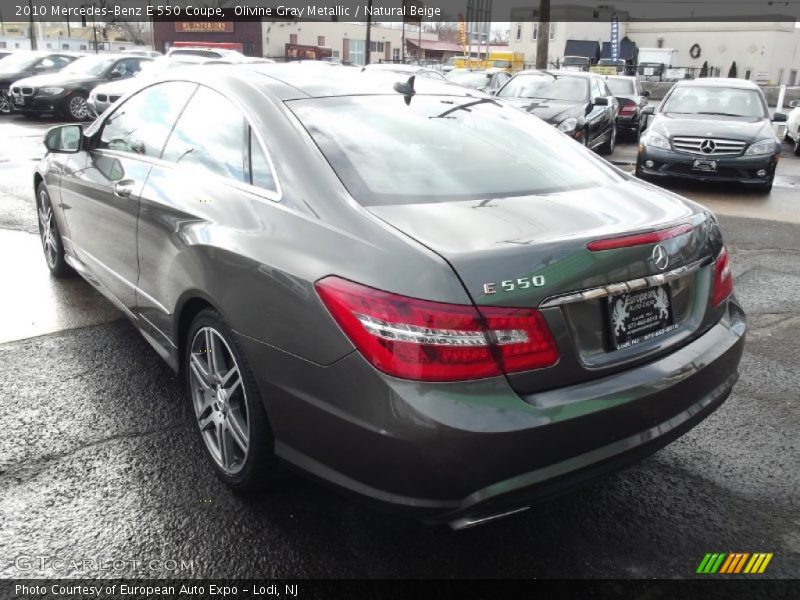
(622, 287)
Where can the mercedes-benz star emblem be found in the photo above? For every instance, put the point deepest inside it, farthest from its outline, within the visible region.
(708, 146)
(660, 257)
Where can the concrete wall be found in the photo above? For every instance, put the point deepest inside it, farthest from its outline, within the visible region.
(771, 49)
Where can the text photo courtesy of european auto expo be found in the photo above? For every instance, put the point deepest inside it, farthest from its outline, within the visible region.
(399, 298)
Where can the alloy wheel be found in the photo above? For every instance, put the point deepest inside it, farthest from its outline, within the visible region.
(78, 108)
(5, 103)
(47, 230)
(219, 400)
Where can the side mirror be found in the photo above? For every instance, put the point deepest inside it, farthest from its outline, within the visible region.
(779, 117)
(115, 75)
(600, 101)
(646, 93)
(649, 110)
(64, 139)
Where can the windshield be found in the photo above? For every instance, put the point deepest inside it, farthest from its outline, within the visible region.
(469, 78)
(196, 52)
(501, 64)
(18, 62)
(444, 148)
(575, 60)
(94, 66)
(621, 87)
(549, 87)
(712, 100)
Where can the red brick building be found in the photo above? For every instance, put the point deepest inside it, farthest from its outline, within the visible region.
(248, 34)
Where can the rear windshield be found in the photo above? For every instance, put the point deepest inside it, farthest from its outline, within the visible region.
(469, 78)
(444, 148)
(622, 87)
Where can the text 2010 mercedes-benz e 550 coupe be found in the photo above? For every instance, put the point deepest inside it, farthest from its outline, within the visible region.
(402, 287)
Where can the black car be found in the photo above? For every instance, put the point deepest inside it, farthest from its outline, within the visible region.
(579, 104)
(484, 80)
(25, 64)
(65, 93)
(422, 296)
(632, 100)
(711, 129)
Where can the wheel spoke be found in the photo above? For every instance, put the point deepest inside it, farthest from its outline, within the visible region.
(237, 432)
(199, 371)
(230, 390)
(226, 448)
(206, 417)
(213, 350)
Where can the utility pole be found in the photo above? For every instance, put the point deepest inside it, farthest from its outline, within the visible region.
(32, 32)
(543, 37)
(369, 34)
(403, 36)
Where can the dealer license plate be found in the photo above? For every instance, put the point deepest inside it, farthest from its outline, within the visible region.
(640, 316)
(706, 165)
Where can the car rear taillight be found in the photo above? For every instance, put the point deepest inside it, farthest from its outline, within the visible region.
(627, 108)
(723, 278)
(638, 239)
(432, 341)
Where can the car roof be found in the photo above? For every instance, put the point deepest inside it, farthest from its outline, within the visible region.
(718, 82)
(297, 80)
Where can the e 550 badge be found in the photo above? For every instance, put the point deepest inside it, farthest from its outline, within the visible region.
(509, 285)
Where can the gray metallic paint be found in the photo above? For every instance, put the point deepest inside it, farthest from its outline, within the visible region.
(440, 448)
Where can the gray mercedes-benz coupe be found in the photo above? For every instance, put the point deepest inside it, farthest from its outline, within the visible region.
(400, 286)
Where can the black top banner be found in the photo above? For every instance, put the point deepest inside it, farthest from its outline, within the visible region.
(400, 10)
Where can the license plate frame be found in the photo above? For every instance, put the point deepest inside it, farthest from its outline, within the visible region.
(639, 316)
(705, 165)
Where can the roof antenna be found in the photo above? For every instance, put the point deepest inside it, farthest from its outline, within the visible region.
(406, 88)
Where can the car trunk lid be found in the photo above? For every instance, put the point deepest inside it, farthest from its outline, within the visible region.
(531, 251)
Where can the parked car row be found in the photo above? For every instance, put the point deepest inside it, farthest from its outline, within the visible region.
(80, 86)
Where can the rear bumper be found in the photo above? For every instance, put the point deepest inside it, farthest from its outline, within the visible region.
(738, 169)
(457, 452)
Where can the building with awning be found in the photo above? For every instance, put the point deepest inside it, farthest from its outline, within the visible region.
(441, 50)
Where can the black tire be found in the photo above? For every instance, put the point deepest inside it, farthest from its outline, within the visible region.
(796, 149)
(259, 468)
(5, 103)
(50, 236)
(608, 146)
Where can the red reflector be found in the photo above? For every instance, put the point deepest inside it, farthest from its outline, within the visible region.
(723, 278)
(432, 341)
(638, 239)
(627, 109)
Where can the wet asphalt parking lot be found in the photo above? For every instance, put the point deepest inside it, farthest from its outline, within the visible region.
(98, 461)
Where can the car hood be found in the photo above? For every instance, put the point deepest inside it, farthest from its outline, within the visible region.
(494, 240)
(738, 128)
(552, 111)
(57, 79)
(9, 77)
(118, 88)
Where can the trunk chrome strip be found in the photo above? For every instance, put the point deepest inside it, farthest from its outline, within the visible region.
(625, 286)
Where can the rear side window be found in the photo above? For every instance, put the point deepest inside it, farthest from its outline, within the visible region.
(141, 124)
(260, 169)
(210, 136)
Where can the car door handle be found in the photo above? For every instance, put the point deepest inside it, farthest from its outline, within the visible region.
(124, 188)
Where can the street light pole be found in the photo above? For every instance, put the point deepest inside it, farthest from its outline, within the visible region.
(543, 37)
(369, 33)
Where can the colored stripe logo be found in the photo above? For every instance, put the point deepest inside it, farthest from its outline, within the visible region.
(734, 563)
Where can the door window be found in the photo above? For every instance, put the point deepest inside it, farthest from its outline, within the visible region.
(210, 135)
(126, 67)
(142, 123)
